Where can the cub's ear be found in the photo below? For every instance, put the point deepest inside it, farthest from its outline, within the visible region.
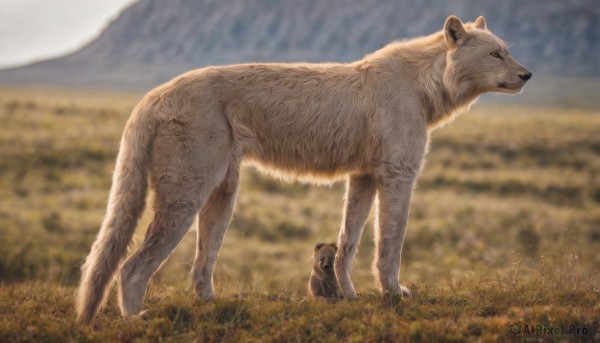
(454, 31)
(319, 246)
(333, 245)
(480, 23)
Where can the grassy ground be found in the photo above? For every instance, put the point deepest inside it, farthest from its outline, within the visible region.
(504, 228)
(477, 310)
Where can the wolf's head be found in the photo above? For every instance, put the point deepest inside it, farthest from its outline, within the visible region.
(478, 61)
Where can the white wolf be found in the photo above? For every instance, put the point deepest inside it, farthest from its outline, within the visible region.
(366, 121)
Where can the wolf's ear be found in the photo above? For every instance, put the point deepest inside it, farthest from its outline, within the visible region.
(454, 31)
(480, 23)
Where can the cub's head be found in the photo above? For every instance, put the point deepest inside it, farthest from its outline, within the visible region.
(478, 61)
(323, 257)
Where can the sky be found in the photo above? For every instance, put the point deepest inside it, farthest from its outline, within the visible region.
(34, 30)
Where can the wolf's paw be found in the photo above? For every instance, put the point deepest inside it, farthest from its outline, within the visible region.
(405, 292)
(354, 297)
(350, 297)
(143, 315)
(207, 298)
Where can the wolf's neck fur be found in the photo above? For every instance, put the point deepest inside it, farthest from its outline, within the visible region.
(439, 87)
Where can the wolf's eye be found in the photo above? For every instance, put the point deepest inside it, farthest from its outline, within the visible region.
(495, 54)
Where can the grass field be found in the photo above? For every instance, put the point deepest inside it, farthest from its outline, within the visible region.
(504, 228)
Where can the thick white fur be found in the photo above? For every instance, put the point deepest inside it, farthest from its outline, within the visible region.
(366, 121)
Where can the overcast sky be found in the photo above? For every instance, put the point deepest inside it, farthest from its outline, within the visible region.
(33, 30)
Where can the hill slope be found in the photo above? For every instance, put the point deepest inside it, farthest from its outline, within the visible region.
(153, 40)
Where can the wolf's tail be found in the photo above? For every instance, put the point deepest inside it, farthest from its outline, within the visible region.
(126, 203)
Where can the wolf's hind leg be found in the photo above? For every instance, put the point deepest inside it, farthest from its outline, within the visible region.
(213, 220)
(187, 168)
(170, 224)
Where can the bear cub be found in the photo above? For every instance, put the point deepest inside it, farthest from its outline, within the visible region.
(323, 283)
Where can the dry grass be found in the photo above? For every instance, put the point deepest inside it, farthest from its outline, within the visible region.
(504, 227)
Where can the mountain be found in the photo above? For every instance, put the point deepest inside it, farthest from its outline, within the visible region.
(153, 40)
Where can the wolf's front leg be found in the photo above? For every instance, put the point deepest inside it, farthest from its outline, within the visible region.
(394, 197)
(360, 192)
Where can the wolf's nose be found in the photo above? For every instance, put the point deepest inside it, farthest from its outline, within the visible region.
(525, 76)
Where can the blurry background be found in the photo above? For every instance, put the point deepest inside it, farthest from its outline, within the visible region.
(152, 41)
(509, 189)
(33, 30)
